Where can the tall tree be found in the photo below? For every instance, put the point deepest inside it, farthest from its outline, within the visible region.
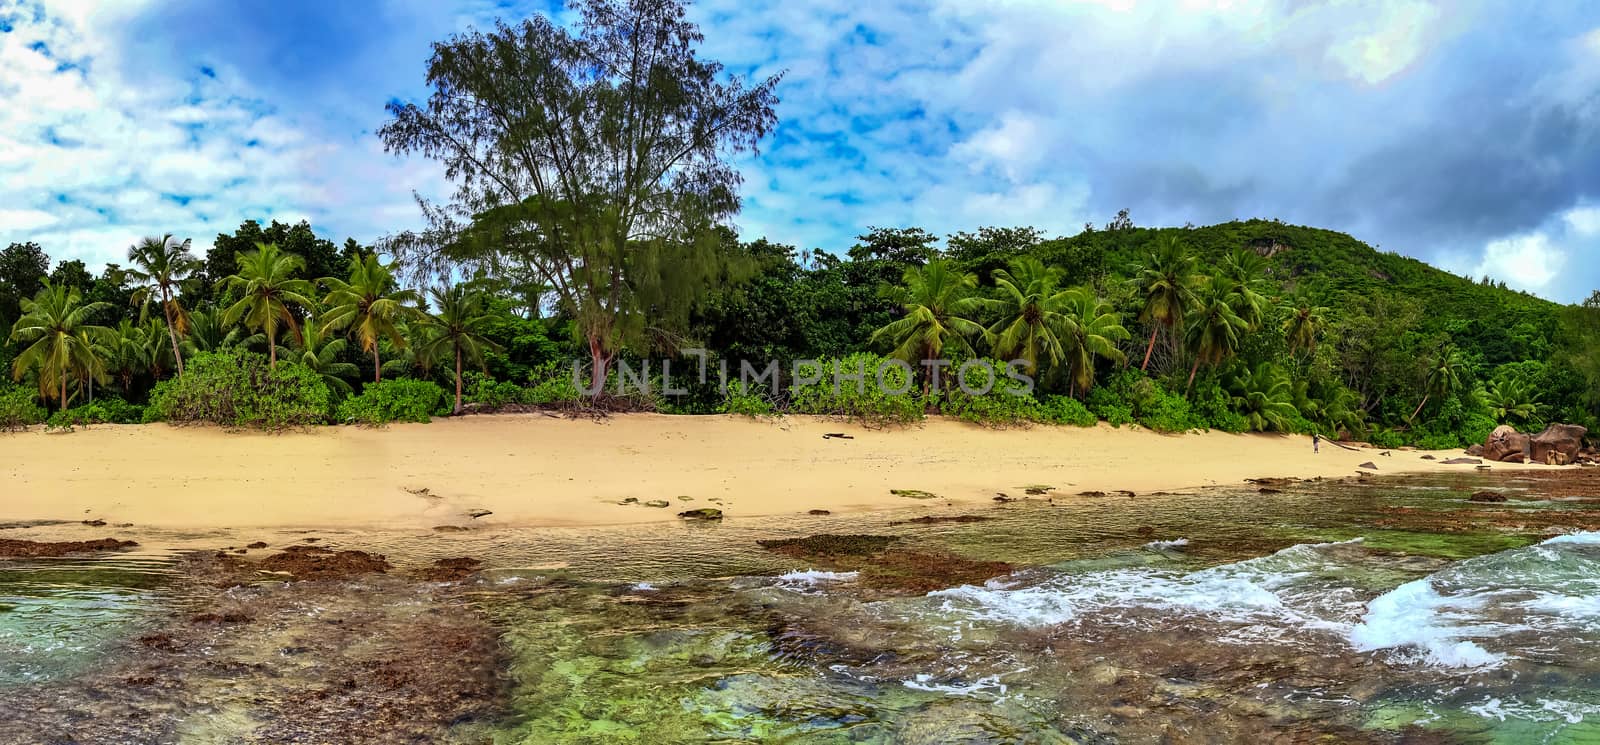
(23, 268)
(1214, 329)
(1444, 376)
(268, 287)
(1166, 287)
(1246, 270)
(595, 154)
(160, 266)
(1303, 326)
(1029, 308)
(939, 305)
(1092, 331)
(460, 322)
(61, 344)
(370, 305)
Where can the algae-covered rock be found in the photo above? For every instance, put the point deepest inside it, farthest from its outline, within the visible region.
(704, 513)
(913, 493)
(657, 503)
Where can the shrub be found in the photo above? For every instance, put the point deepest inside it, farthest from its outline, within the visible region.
(1104, 402)
(482, 389)
(18, 410)
(238, 388)
(395, 400)
(1065, 410)
(1386, 438)
(740, 399)
(869, 400)
(101, 411)
(551, 384)
(1006, 402)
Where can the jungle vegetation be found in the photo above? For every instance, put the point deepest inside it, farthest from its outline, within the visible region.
(598, 228)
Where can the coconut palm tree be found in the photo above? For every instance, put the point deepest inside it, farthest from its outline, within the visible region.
(1444, 376)
(207, 333)
(1030, 311)
(1166, 283)
(267, 287)
(128, 355)
(1214, 329)
(457, 328)
(1092, 329)
(370, 305)
(61, 343)
(1264, 397)
(1245, 269)
(160, 266)
(938, 304)
(319, 350)
(1303, 326)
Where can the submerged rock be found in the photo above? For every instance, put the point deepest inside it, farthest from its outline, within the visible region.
(1369, 465)
(827, 545)
(913, 493)
(1487, 496)
(1462, 462)
(477, 513)
(450, 570)
(314, 563)
(818, 512)
(936, 519)
(34, 549)
(704, 513)
(658, 503)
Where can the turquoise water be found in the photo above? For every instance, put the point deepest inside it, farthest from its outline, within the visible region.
(1392, 611)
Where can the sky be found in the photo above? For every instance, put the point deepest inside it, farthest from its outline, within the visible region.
(1462, 132)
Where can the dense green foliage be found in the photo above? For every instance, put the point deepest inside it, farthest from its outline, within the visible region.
(241, 389)
(569, 237)
(395, 400)
(17, 408)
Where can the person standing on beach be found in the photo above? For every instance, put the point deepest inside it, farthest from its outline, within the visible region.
(1316, 442)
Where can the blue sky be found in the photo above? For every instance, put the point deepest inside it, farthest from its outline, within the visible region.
(1461, 132)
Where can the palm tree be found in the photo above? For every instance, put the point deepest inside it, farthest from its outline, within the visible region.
(1245, 269)
(319, 351)
(1264, 397)
(267, 287)
(1444, 376)
(127, 356)
(1303, 326)
(207, 333)
(937, 301)
(458, 328)
(1092, 330)
(370, 305)
(1511, 398)
(1167, 286)
(61, 342)
(1214, 328)
(1029, 307)
(160, 265)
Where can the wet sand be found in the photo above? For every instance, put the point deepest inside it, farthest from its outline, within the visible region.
(535, 470)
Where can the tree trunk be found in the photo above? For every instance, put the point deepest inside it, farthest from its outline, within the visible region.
(172, 332)
(1192, 372)
(1419, 408)
(377, 364)
(458, 380)
(63, 393)
(598, 362)
(272, 346)
(1151, 348)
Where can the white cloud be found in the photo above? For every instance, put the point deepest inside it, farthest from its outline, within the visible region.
(1583, 221)
(1528, 262)
(25, 220)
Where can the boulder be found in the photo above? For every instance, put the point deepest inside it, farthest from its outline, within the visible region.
(1558, 444)
(1487, 496)
(1503, 443)
(1462, 462)
(1475, 451)
(1369, 465)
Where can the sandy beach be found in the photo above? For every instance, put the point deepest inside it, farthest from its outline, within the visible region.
(533, 470)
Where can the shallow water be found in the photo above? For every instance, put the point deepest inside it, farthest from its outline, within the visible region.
(1384, 611)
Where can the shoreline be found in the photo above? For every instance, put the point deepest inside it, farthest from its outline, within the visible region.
(532, 470)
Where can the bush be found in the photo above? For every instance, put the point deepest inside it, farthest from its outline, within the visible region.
(238, 388)
(870, 400)
(551, 384)
(1007, 401)
(484, 390)
(1105, 404)
(1386, 438)
(396, 400)
(18, 410)
(740, 399)
(102, 411)
(1065, 410)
